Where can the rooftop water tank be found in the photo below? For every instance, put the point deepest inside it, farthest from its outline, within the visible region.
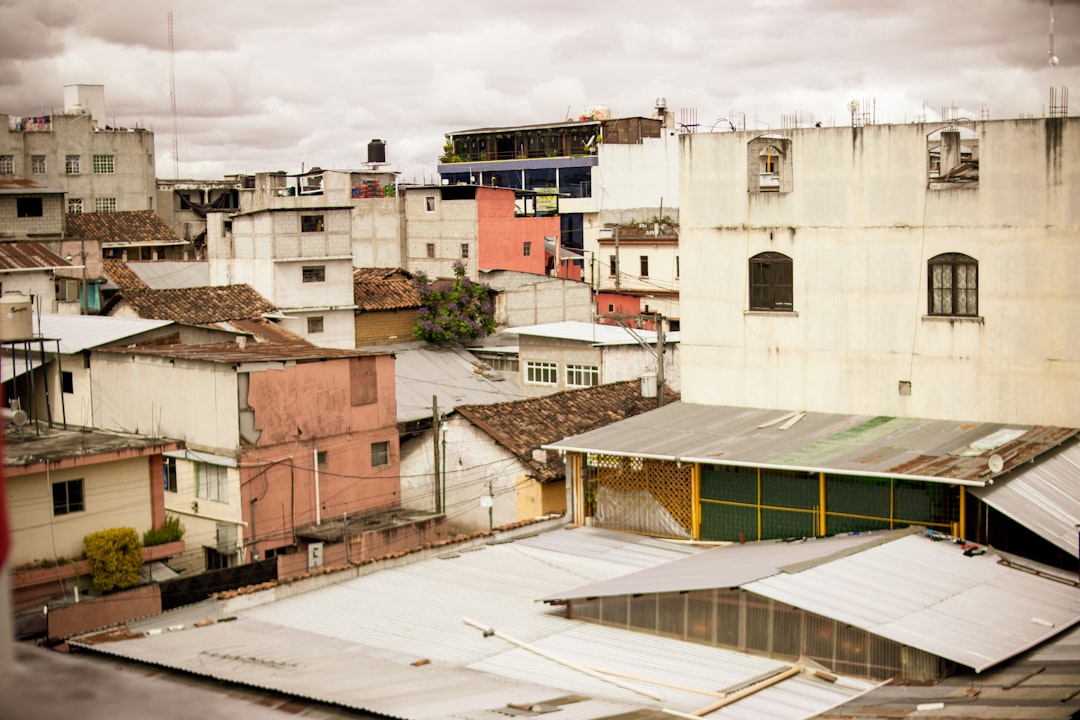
(16, 320)
(376, 151)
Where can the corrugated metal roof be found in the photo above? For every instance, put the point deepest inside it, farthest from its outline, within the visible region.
(26, 255)
(353, 643)
(938, 450)
(84, 332)
(453, 375)
(586, 332)
(976, 611)
(1045, 497)
(725, 567)
(171, 275)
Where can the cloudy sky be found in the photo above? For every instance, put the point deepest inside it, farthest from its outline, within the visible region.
(279, 85)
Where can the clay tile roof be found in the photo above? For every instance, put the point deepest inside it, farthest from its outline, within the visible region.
(24, 255)
(199, 306)
(119, 272)
(524, 425)
(384, 289)
(133, 227)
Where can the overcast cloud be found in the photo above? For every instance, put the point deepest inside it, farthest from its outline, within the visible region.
(276, 85)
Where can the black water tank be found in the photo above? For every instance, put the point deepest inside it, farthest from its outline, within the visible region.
(376, 151)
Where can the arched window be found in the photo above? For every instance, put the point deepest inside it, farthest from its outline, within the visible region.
(954, 285)
(771, 282)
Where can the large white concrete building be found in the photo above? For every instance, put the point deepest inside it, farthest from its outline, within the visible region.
(922, 270)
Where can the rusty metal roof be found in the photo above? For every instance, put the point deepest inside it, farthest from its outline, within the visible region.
(233, 352)
(27, 255)
(922, 449)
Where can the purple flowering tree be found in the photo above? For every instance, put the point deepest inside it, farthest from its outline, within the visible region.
(460, 313)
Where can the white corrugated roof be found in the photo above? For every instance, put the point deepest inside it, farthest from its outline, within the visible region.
(354, 643)
(84, 332)
(587, 332)
(450, 374)
(976, 611)
(1045, 498)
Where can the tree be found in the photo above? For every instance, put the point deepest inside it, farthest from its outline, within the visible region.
(461, 312)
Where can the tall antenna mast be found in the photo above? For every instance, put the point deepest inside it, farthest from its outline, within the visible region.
(172, 103)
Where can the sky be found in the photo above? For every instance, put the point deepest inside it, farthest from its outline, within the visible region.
(265, 85)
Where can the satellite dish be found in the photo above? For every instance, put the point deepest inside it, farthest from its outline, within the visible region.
(995, 463)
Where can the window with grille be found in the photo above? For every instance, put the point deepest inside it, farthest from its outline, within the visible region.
(582, 375)
(7, 164)
(68, 497)
(104, 164)
(315, 325)
(212, 482)
(71, 164)
(541, 373)
(75, 205)
(104, 205)
(954, 285)
(771, 282)
(380, 454)
(37, 164)
(431, 250)
(314, 273)
(465, 250)
(526, 248)
(311, 223)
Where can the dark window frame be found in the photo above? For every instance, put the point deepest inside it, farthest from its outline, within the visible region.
(772, 282)
(944, 298)
(312, 223)
(168, 474)
(26, 207)
(315, 325)
(313, 273)
(380, 453)
(69, 496)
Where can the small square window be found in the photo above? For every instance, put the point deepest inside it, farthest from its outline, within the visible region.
(29, 207)
(321, 459)
(311, 223)
(380, 454)
(526, 249)
(71, 164)
(67, 382)
(68, 497)
(75, 205)
(314, 273)
(429, 202)
(7, 164)
(37, 164)
(104, 205)
(315, 325)
(431, 250)
(104, 164)
(465, 250)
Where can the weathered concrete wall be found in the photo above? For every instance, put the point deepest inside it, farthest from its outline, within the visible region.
(91, 614)
(860, 224)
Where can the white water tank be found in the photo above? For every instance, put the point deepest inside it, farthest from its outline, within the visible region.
(16, 319)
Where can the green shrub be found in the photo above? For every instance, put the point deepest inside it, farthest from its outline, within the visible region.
(115, 558)
(170, 531)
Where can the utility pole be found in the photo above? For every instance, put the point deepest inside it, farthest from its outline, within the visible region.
(659, 360)
(618, 267)
(437, 428)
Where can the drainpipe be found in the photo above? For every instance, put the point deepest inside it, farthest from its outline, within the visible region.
(315, 458)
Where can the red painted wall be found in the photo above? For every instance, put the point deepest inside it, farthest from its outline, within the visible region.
(307, 408)
(501, 236)
(627, 304)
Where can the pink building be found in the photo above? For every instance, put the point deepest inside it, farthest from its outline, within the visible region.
(510, 242)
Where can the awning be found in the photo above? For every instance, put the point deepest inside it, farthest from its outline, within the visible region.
(203, 457)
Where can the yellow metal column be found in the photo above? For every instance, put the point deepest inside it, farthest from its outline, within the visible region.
(759, 503)
(963, 513)
(821, 501)
(577, 489)
(695, 500)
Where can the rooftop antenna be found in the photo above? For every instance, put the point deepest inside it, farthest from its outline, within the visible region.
(172, 103)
